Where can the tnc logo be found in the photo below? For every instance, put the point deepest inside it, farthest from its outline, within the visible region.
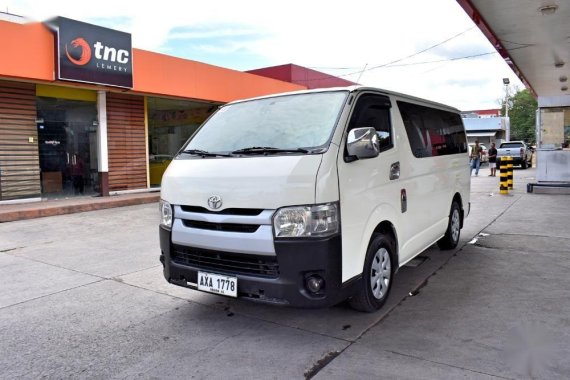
(80, 53)
(215, 202)
(81, 48)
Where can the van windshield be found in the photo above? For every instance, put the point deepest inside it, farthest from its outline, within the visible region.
(284, 124)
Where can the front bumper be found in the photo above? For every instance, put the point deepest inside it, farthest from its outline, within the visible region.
(296, 260)
(517, 160)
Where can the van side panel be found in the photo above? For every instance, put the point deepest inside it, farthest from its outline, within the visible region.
(431, 183)
(367, 194)
(367, 197)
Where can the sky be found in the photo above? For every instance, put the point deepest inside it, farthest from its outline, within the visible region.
(430, 49)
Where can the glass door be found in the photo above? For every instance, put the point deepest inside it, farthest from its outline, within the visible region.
(67, 147)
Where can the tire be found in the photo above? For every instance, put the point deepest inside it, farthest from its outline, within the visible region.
(451, 237)
(524, 164)
(377, 274)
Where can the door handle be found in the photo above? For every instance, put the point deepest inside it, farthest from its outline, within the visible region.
(395, 171)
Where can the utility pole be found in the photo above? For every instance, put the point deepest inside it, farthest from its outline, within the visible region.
(506, 82)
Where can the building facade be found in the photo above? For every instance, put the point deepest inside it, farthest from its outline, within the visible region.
(302, 75)
(84, 113)
(486, 130)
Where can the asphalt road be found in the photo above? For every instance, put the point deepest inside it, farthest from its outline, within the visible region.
(82, 296)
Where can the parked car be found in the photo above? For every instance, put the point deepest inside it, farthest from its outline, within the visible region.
(484, 153)
(518, 150)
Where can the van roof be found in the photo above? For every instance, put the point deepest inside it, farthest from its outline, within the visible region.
(354, 89)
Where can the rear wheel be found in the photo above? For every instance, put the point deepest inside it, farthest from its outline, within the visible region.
(451, 237)
(376, 275)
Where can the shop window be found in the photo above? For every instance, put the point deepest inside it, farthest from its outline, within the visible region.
(171, 123)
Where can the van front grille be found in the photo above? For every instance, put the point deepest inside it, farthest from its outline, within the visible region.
(227, 211)
(226, 227)
(226, 262)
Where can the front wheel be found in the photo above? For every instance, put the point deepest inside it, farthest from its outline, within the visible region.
(376, 275)
(451, 237)
(524, 164)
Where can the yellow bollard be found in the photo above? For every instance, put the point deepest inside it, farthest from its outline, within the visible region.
(510, 172)
(503, 181)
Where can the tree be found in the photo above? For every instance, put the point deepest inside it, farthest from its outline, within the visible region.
(522, 114)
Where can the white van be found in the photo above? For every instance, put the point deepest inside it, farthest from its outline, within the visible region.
(313, 197)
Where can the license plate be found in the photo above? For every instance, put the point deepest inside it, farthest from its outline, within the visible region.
(217, 284)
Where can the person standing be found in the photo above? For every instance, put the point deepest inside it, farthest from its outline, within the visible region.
(476, 153)
(493, 160)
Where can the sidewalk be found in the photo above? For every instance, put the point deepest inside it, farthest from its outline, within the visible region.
(21, 211)
(497, 309)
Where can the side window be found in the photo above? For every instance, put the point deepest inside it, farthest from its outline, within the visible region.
(432, 132)
(374, 111)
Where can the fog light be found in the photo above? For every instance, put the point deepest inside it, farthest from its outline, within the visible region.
(315, 283)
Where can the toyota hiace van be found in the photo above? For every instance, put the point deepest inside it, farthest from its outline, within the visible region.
(314, 197)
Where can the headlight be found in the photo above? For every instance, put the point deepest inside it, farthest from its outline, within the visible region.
(306, 221)
(165, 214)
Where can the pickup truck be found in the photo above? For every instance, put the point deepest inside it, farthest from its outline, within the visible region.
(518, 150)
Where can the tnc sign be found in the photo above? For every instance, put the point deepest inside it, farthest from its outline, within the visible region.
(111, 54)
(93, 54)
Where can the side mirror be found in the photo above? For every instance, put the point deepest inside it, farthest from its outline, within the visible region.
(363, 143)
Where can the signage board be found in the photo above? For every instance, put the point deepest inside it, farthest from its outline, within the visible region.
(93, 54)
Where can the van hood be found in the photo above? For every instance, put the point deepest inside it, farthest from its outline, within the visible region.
(267, 182)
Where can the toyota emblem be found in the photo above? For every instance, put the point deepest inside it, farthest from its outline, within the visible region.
(215, 202)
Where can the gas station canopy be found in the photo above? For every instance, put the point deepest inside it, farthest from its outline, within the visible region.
(533, 37)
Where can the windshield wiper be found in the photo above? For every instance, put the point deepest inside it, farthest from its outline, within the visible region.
(203, 153)
(268, 150)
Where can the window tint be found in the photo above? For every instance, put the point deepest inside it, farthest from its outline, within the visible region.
(374, 111)
(433, 132)
(512, 145)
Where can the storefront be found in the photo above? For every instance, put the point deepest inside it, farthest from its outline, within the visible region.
(95, 116)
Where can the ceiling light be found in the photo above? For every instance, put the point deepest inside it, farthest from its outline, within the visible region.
(559, 64)
(548, 9)
(563, 78)
(564, 88)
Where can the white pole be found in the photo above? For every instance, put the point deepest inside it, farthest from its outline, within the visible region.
(507, 121)
(102, 144)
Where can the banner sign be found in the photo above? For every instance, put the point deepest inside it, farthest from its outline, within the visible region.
(93, 54)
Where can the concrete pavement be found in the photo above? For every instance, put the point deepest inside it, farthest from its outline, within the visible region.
(499, 309)
(83, 296)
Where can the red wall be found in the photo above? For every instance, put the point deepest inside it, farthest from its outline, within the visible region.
(302, 75)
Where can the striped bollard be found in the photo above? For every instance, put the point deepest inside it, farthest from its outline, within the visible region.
(503, 181)
(510, 172)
